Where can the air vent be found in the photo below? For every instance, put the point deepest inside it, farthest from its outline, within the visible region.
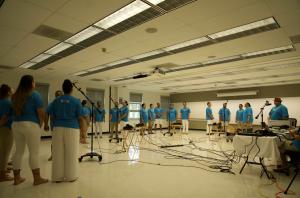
(295, 39)
(51, 32)
(169, 5)
(135, 20)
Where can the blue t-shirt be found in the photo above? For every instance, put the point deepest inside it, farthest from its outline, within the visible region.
(99, 114)
(158, 112)
(151, 114)
(65, 111)
(185, 112)
(144, 115)
(279, 112)
(239, 115)
(29, 112)
(208, 113)
(227, 114)
(172, 114)
(125, 111)
(115, 114)
(296, 143)
(248, 113)
(86, 111)
(6, 110)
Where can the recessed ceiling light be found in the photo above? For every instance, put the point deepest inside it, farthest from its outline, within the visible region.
(83, 35)
(122, 14)
(278, 49)
(58, 48)
(221, 59)
(40, 58)
(186, 44)
(243, 28)
(117, 62)
(155, 2)
(27, 65)
(79, 73)
(147, 54)
(95, 68)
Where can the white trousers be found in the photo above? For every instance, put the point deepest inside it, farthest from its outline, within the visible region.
(65, 146)
(209, 126)
(26, 133)
(185, 125)
(98, 128)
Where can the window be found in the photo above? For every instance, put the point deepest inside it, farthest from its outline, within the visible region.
(96, 95)
(164, 104)
(135, 105)
(43, 89)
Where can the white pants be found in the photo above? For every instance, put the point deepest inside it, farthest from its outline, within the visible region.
(185, 125)
(65, 146)
(26, 133)
(98, 128)
(209, 126)
(158, 121)
(224, 125)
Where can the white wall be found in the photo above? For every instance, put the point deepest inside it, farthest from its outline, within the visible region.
(198, 108)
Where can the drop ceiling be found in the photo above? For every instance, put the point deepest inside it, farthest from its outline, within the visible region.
(19, 19)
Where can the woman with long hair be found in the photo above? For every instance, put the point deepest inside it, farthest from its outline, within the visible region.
(28, 119)
(6, 135)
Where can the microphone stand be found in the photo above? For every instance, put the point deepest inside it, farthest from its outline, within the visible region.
(118, 112)
(169, 128)
(261, 114)
(92, 153)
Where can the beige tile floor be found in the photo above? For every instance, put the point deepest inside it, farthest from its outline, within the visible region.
(142, 177)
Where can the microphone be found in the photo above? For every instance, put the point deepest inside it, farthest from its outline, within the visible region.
(267, 103)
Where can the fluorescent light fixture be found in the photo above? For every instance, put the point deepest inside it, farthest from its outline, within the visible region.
(27, 65)
(155, 2)
(79, 73)
(240, 93)
(58, 48)
(288, 47)
(243, 28)
(221, 59)
(83, 35)
(122, 14)
(40, 58)
(95, 68)
(117, 62)
(185, 44)
(147, 54)
(186, 66)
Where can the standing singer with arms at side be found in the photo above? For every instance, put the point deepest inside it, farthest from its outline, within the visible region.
(209, 118)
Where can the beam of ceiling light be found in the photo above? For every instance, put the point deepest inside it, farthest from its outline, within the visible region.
(147, 54)
(83, 35)
(278, 49)
(224, 59)
(79, 73)
(95, 68)
(155, 2)
(27, 65)
(117, 62)
(121, 15)
(243, 28)
(58, 48)
(186, 44)
(40, 58)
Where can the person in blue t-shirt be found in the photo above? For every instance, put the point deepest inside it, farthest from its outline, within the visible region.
(172, 117)
(67, 115)
(287, 147)
(224, 116)
(239, 117)
(152, 115)
(124, 114)
(247, 116)
(144, 116)
(114, 118)
(99, 118)
(279, 112)
(6, 134)
(46, 125)
(209, 118)
(28, 118)
(158, 116)
(85, 123)
(185, 117)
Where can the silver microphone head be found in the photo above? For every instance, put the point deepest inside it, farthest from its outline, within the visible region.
(267, 103)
